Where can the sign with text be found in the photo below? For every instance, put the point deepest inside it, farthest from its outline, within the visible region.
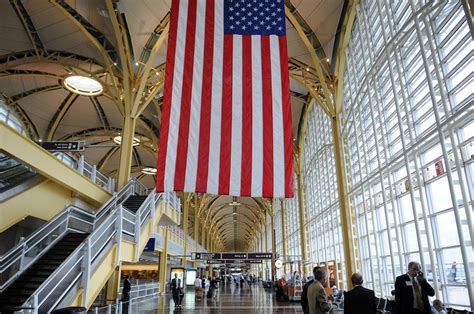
(234, 255)
(260, 255)
(230, 256)
(64, 146)
(205, 256)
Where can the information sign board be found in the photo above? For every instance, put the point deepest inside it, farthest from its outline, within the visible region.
(64, 146)
(260, 255)
(205, 256)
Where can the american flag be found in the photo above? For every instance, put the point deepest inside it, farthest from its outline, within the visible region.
(226, 119)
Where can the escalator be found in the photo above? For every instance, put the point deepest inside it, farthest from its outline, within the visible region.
(134, 202)
(42, 273)
(13, 172)
(21, 289)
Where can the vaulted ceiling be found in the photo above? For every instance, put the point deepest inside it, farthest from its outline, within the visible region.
(44, 41)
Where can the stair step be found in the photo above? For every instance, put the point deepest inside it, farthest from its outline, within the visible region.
(24, 286)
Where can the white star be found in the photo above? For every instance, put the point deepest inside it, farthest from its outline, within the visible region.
(256, 27)
(280, 28)
(238, 22)
(232, 27)
(267, 18)
(231, 18)
(273, 13)
(244, 18)
(274, 23)
(268, 27)
(244, 27)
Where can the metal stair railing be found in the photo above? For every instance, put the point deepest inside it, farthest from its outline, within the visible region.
(75, 273)
(138, 293)
(30, 249)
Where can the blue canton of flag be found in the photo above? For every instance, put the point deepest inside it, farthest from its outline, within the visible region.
(254, 17)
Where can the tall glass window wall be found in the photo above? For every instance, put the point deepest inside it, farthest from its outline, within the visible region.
(408, 119)
(323, 224)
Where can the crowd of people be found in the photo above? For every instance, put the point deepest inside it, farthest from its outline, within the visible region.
(411, 295)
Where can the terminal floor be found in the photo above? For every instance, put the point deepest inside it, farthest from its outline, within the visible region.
(230, 299)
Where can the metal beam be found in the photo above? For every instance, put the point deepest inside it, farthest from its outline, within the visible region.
(103, 161)
(27, 123)
(100, 112)
(29, 27)
(143, 78)
(308, 32)
(124, 53)
(59, 115)
(90, 133)
(21, 73)
(96, 37)
(18, 97)
(320, 64)
(344, 38)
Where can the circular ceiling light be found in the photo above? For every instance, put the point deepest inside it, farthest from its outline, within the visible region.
(83, 85)
(118, 140)
(150, 171)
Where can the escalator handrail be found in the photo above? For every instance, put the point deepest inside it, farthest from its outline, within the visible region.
(42, 240)
(16, 254)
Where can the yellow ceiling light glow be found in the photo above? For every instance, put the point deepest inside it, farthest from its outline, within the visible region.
(83, 85)
(118, 140)
(149, 170)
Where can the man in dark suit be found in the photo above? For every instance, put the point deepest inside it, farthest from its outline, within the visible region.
(304, 294)
(175, 289)
(359, 300)
(412, 291)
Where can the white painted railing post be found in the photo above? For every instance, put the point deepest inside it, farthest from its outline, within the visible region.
(80, 165)
(35, 304)
(23, 250)
(86, 265)
(94, 173)
(137, 234)
(118, 235)
(109, 309)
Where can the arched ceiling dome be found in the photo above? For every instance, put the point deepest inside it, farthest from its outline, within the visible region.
(43, 42)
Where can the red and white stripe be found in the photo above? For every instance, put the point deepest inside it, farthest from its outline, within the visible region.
(226, 126)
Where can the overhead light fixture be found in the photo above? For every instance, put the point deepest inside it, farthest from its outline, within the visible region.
(118, 140)
(83, 85)
(149, 170)
(234, 203)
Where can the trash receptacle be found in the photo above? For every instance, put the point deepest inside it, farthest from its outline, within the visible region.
(70, 310)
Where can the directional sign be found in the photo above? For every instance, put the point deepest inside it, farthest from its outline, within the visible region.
(234, 256)
(260, 255)
(250, 261)
(230, 256)
(63, 146)
(205, 256)
(220, 261)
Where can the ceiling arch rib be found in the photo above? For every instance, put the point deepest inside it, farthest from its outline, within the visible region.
(25, 73)
(21, 114)
(29, 27)
(100, 112)
(19, 97)
(59, 115)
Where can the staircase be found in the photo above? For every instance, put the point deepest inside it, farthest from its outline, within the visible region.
(24, 286)
(134, 202)
(81, 251)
